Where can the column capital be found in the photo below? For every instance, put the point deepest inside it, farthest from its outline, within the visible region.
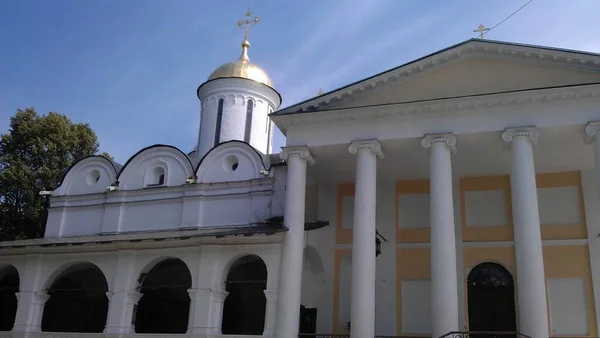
(531, 133)
(133, 297)
(372, 145)
(301, 151)
(447, 139)
(41, 297)
(592, 128)
(219, 295)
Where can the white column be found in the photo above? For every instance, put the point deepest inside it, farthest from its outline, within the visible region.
(270, 312)
(591, 131)
(31, 298)
(531, 280)
(290, 274)
(200, 303)
(218, 300)
(124, 295)
(444, 299)
(33, 304)
(362, 312)
(208, 276)
(591, 192)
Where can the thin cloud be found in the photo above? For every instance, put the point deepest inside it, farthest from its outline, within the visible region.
(340, 21)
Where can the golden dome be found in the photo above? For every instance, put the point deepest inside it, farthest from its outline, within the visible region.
(242, 68)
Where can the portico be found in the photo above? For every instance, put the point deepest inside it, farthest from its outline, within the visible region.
(469, 197)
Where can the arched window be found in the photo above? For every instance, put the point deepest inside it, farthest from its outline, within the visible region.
(269, 137)
(165, 304)
(249, 110)
(156, 177)
(9, 287)
(491, 298)
(77, 302)
(219, 119)
(245, 305)
(269, 130)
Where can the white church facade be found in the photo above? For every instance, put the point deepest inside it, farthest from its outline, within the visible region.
(459, 192)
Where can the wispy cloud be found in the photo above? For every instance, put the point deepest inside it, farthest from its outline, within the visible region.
(339, 24)
(336, 70)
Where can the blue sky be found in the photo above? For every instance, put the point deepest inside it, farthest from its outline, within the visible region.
(131, 68)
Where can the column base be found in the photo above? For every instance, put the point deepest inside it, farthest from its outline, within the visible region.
(26, 328)
(119, 329)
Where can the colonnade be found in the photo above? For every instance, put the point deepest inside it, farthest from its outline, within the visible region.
(533, 315)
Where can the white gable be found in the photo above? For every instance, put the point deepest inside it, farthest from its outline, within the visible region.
(232, 161)
(88, 176)
(471, 76)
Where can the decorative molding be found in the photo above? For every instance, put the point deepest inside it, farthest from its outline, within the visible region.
(300, 151)
(472, 49)
(133, 297)
(372, 145)
(447, 139)
(219, 296)
(41, 297)
(591, 130)
(462, 105)
(530, 133)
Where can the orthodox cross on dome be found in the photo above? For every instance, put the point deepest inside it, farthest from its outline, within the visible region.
(481, 30)
(247, 23)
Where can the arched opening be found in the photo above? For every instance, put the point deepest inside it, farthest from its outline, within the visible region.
(156, 177)
(245, 305)
(248, 128)
(219, 121)
(77, 302)
(491, 299)
(9, 286)
(165, 304)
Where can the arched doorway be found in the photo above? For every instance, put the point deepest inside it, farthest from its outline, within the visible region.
(9, 286)
(77, 302)
(165, 304)
(245, 305)
(491, 299)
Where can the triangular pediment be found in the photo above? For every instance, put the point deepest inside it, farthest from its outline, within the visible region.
(474, 67)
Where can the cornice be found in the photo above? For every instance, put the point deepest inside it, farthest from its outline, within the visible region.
(259, 239)
(458, 105)
(202, 190)
(299, 151)
(448, 140)
(471, 49)
(531, 133)
(371, 145)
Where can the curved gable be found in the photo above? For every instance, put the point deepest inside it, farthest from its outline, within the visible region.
(231, 161)
(90, 175)
(145, 168)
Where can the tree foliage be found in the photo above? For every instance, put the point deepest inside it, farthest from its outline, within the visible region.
(34, 156)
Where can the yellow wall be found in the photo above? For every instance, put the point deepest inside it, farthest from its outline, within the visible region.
(485, 234)
(572, 262)
(567, 231)
(414, 263)
(419, 235)
(342, 236)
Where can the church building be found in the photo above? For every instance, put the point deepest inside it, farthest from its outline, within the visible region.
(455, 194)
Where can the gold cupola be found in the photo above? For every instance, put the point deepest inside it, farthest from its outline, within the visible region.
(242, 68)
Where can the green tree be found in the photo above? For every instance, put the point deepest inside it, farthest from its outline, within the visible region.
(34, 155)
